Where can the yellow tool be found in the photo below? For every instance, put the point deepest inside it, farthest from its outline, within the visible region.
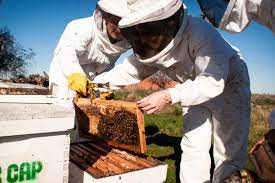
(100, 90)
(246, 176)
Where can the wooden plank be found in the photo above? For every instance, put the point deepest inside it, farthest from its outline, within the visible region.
(133, 148)
(86, 101)
(90, 160)
(123, 154)
(134, 158)
(27, 99)
(115, 158)
(80, 162)
(141, 128)
(95, 161)
(102, 159)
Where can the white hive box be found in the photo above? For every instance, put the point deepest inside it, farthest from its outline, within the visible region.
(34, 139)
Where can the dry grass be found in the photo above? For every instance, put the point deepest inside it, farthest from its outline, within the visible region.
(259, 125)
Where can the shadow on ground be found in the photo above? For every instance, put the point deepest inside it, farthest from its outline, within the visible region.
(165, 140)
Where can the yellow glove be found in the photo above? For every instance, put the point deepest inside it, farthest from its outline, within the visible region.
(107, 95)
(78, 82)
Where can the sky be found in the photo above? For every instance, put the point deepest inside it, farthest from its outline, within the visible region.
(38, 24)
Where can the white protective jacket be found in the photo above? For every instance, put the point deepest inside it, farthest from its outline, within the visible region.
(202, 68)
(214, 92)
(240, 13)
(83, 47)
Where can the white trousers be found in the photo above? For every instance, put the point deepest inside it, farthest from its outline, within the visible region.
(223, 121)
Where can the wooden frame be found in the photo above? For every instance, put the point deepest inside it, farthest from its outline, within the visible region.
(88, 121)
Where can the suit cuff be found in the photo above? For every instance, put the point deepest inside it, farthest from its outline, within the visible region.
(175, 95)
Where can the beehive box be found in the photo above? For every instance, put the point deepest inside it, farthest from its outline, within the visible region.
(119, 123)
(102, 157)
(34, 138)
(96, 162)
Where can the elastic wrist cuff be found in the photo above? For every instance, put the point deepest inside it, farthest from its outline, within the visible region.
(175, 95)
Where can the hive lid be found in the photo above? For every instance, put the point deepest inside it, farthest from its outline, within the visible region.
(13, 111)
(8, 88)
(25, 107)
(118, 123)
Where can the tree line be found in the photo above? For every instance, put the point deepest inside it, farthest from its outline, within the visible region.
(14, 59)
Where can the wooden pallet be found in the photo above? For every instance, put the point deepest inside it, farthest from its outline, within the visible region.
(88, 120)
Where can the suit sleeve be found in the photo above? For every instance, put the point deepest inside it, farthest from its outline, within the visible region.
(131, 71)
(72, 44)
(211, 61)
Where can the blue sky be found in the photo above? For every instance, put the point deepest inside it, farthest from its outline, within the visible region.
(38, 24)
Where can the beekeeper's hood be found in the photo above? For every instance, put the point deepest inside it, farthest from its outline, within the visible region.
(145, 13)
(101, 40)
(114, 7)
(142, 11)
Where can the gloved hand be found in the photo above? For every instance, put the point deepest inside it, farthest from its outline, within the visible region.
(78, 82)
(155, 102)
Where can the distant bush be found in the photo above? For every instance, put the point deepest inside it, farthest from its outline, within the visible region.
(264, 101)
(131, 95)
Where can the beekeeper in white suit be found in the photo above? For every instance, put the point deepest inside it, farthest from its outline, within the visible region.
(235, 15)
(214, 89)
(86, 48)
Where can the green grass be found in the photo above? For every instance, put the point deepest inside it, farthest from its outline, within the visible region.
(164, 134)
(131, 95)
(265, 101)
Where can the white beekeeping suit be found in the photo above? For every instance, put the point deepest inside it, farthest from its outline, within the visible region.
(235, 15)
(84, 47)
(214, 91)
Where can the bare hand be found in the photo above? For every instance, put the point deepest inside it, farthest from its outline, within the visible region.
(155, 102)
